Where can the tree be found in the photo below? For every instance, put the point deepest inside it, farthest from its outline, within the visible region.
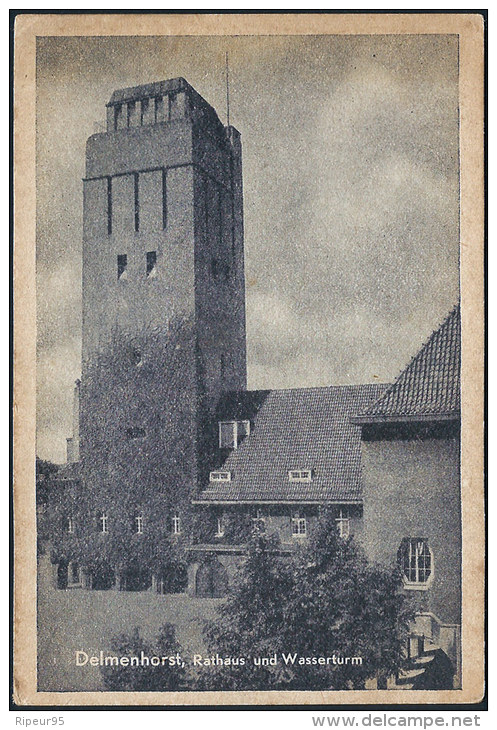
(135, 384)
(46, 472)
(250, 621)
(166, 676)
(327, 601)
(342, 606)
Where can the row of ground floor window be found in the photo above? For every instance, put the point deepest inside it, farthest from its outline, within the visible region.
(210, 576)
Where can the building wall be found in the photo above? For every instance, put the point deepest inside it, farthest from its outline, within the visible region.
(412, 489)
(238, 521)
(159, 349)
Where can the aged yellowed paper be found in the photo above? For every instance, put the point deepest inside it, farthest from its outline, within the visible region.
(248, 342)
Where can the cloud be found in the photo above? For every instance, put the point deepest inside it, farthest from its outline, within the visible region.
(350, 149)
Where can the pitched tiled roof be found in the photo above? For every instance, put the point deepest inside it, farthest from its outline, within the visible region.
(429, 387)
(305, 428)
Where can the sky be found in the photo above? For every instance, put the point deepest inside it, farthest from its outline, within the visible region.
(351, 197)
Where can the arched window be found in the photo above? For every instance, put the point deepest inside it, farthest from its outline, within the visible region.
(415, 561)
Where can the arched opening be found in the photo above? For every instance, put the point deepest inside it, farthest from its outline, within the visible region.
(62, 574)
(174, 579)
(212, 580)
(136, 578)
(102, 577)
(74, 576)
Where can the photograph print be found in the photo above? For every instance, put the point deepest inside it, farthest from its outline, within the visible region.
(248, 373)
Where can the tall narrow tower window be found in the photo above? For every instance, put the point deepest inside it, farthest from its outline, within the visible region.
(122, 266)
(137, 202)
(144, 111)
(118, 116)
(164, 198)
(109, 205)
(133, 117)
(152, 264)
(159, 109)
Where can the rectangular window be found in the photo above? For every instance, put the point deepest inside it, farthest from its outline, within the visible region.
(122, 266)
(220, 476)
(231, 433)
(70, 525)
(104, 522)
(176, 524)
(343, 523)
(259, 522)
(220, 528)
(300, 475)
(137, 202)
(135, 433)
(139, 524)
(299, 526)
(151, 264)
(109, 205)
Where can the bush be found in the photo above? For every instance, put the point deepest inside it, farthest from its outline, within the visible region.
(162, 678)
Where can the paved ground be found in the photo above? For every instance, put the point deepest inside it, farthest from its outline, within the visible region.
(75, 619)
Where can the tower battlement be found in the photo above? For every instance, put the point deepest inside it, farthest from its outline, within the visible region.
(159, 103)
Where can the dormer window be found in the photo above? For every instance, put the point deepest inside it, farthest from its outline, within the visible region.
(300, 475)
(231, 433)
(220, 476)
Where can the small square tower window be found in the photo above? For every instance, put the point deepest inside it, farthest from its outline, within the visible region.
(122, 266)
(151, 264)
(135, 432)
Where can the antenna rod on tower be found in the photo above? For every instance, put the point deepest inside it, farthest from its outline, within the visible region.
(227, 90)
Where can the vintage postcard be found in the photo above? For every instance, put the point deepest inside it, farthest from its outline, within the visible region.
(249, 314)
